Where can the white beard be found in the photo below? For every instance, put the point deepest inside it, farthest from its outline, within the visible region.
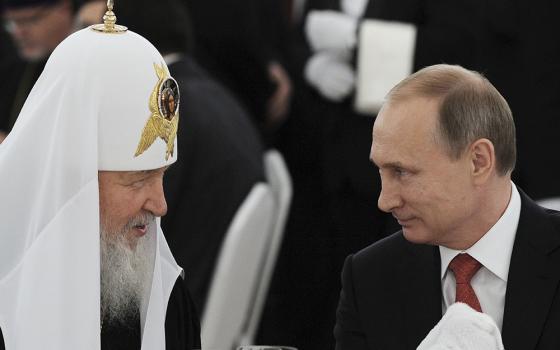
(126, 273)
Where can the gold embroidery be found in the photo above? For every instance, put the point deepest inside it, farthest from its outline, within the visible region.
(164, 108)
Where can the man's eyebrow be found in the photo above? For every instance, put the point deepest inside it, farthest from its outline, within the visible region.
(141, 172)
(393, 165)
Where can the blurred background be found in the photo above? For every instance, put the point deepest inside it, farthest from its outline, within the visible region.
(257, 75)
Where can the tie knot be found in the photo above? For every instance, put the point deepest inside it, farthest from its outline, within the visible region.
(464, 267)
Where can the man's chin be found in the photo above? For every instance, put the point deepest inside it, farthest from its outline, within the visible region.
(132, 241)
(415, 235)
(126, 267)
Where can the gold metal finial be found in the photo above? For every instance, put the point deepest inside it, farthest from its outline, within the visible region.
(110, 20)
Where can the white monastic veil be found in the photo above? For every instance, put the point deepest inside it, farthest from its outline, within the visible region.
(86, 113)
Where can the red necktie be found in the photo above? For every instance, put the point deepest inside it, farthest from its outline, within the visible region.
(465, 267)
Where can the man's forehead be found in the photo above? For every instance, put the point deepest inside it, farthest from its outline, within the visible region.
(407, 117)
(135, 173)
(404, 128)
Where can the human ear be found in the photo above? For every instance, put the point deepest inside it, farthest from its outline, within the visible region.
(483, 160)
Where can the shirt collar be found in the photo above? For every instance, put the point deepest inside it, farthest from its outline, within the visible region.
(494, 249)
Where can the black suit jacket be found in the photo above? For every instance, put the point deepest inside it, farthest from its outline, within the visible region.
(391, 293)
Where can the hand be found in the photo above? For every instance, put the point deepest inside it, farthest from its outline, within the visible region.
(278, 104)
(2, 136)
(331, 31)
(331, 75)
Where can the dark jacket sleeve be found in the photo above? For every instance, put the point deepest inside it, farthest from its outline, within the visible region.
(182, 328)
(348, 331)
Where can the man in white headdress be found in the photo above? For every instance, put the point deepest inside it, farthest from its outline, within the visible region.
(83, 261)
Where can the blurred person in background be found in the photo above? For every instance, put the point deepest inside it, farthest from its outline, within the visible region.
(240, 43)
(221, 152)
(523, 55)
(36, 27)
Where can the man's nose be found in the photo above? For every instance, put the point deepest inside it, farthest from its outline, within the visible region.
(156, 203)
(389, 198)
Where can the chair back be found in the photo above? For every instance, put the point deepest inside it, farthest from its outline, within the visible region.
(280, 181)
(238, 270)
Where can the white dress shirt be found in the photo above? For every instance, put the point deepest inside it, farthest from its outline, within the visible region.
(493, 251)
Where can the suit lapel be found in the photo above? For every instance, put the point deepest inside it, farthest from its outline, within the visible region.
(533, 277)
(421, 293)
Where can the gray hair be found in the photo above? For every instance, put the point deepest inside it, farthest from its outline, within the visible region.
(470, 109)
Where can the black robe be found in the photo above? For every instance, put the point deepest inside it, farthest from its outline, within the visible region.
(182, 329)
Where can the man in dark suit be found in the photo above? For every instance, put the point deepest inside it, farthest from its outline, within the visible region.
(445, 145)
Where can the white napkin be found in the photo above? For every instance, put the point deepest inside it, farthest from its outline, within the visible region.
(462, 328)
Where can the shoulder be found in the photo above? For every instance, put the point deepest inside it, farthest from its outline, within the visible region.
(387, 250)
(537, 225)
(180, 299)
(533, 212)
(385, 259)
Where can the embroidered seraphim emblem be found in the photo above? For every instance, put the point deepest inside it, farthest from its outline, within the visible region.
(164, 109)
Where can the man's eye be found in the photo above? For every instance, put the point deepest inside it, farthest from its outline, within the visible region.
(137, 183)
(400, 172)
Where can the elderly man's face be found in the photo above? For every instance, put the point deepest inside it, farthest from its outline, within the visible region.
(37, 30)
(429, 194)
(128, 199)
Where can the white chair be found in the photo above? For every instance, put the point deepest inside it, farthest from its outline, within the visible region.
(246, 261)
(238, 270)
(279, 179)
